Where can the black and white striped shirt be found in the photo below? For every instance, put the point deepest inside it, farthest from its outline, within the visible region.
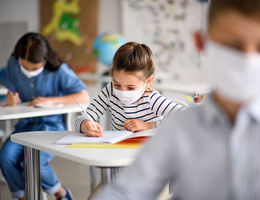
(149, 108)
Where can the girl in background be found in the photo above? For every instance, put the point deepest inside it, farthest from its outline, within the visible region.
(36, 74)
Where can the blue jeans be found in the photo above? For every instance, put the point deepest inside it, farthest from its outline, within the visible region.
(12, 166)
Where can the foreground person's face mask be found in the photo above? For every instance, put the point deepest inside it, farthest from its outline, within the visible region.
(232, 74)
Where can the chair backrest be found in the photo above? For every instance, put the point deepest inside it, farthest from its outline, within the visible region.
(70, 121)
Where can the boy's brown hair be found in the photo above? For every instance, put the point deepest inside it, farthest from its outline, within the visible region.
(134, 57)
(250, 8)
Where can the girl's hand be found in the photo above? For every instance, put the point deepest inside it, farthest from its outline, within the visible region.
(90, 130)
(43, 100)
(12, 98)
(136, 125)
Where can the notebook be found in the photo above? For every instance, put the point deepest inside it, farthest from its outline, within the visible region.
(110, 137)
(128, 143)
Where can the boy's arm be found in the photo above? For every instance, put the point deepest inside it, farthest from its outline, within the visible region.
(97, 107)
(150, 172)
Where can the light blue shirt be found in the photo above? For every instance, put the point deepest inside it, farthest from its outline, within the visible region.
(47, 84)
(202, 152)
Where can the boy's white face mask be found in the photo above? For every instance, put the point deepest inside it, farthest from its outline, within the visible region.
(30, 74)
(128, 97)
(233, 75)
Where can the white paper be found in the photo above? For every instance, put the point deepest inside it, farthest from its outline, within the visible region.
(48, 106)
(108, 137)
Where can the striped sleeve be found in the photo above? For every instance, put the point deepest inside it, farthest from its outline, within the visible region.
(161, 106)
(97, 107)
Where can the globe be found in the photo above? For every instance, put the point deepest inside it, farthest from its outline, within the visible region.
(105, 47)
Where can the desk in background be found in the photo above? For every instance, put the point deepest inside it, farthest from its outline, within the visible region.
(162, 83)
(109, 160)
(3, 90)
(20, 111)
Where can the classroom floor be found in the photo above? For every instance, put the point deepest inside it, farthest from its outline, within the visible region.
(73, 175)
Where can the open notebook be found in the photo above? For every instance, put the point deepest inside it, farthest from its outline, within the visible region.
(111, 137)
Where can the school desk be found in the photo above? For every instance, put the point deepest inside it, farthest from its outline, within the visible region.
(162, 82)
(185, 88)
(108, 159)
(23, 111)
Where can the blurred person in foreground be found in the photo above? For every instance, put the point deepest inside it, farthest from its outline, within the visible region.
(211, 151)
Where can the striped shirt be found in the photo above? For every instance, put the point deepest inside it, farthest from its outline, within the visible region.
(149, 108)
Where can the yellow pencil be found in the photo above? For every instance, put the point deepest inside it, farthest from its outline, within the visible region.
(189, 99)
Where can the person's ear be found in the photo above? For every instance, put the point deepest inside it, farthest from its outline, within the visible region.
(149, 81)
(199, 40)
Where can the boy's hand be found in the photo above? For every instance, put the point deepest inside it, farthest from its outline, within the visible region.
(42, 100)
(12, 98)
(90, 130)
(136, 125)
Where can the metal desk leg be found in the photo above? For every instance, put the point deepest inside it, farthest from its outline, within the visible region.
(32, 174)
(93, 178)
(8, 129)
(108, 174)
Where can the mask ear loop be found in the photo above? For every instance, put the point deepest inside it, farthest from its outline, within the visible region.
(147, 89)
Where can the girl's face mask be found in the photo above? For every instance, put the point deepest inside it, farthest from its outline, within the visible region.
(30, 74)
(129, 97)
(129, 87)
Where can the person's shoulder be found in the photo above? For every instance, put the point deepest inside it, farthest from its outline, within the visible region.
(64, 67)
(65, 70)
(154, 96)
(151, 93)
(108, 89)
(12, 66)
(12, 62)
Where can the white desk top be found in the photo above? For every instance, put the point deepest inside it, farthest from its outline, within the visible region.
(100, 157)
(165, 85)
(187, 88)
(95, 77)
(23, 111)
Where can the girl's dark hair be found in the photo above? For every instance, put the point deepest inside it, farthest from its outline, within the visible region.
(134, 57)
(35, 48)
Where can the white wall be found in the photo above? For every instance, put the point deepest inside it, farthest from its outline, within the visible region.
(109, 16)
(16, 18)
(28, 11)
(20, 11)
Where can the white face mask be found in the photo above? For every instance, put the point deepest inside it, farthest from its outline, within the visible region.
(30, 74)
(233, 75)
(128, 97)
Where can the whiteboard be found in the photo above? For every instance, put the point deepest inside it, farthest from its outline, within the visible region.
(166, 26)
